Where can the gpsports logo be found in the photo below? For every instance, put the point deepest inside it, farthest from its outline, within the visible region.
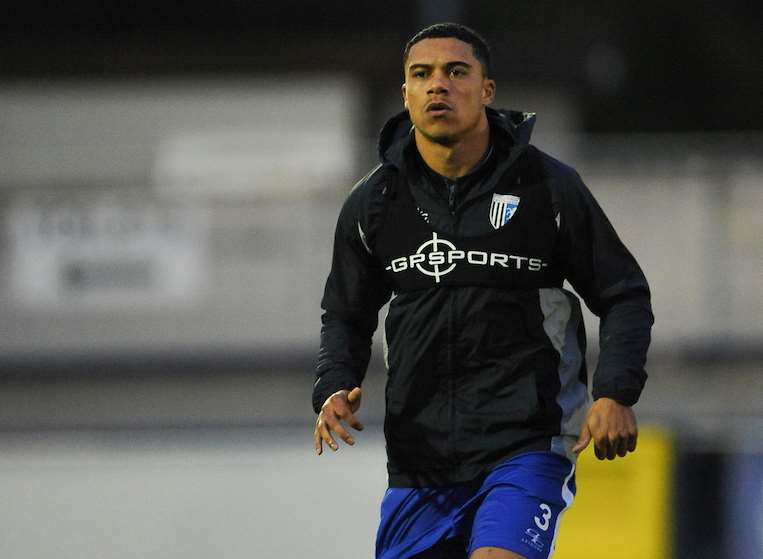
(438, 257)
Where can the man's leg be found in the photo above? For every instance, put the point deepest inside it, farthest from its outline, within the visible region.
(417, 523)
(519, 516)
(510, 524)
(494, 553)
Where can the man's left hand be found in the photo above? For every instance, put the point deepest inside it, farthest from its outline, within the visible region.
(612, 427)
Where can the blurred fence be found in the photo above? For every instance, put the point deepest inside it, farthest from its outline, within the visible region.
(165, 218)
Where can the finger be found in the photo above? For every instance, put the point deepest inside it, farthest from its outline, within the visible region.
(339, 429)
(317, 442)
(597, 452)
(334, 425)
(622, 447)
(341, 409)
(354, 398)
(326, 436)
(611, 449)
(352, 421)
(601, 446)
(583, 440)
(632, 440)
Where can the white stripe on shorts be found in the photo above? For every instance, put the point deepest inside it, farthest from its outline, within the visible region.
(568, 496)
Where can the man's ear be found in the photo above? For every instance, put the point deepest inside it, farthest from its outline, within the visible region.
(488, 91)
(405, 97)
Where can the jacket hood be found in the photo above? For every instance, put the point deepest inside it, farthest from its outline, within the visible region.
(506, 127)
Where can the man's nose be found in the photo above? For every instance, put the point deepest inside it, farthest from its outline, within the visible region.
(438, 84)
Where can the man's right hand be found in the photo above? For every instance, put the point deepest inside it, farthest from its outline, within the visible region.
(338, 407)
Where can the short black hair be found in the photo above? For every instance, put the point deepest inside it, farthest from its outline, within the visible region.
(455, 31)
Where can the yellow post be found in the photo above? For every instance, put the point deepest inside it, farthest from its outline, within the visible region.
(622, 507)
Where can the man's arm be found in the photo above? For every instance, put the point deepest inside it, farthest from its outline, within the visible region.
(605, 274)
(344, 354)
(355, 291)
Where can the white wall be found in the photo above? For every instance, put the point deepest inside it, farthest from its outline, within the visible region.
(260, 493)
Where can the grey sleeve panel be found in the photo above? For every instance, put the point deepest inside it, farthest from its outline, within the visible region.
(606, 275)
(562, 321)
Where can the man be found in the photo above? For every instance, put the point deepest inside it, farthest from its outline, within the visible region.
(471, 232)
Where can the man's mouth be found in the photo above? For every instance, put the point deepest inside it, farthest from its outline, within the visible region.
(438, 108)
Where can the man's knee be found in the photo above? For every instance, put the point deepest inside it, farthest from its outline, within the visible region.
(494, 553)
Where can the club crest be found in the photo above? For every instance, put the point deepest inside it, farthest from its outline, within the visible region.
(502, 209)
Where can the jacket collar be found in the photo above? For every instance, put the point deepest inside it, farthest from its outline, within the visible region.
(507, 129)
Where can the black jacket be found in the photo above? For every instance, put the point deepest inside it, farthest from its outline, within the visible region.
(484, 348)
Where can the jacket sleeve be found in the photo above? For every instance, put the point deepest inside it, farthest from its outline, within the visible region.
(608, 278)
(355, 291)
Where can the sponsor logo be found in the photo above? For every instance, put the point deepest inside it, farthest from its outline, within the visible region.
(438, 257)
(502, 209)
(532, 538)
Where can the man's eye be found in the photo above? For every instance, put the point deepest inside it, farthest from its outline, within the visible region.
(419, 74)
(457, 72)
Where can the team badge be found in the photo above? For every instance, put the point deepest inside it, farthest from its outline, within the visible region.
(502, 209)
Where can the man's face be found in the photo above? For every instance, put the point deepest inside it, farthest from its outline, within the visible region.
(445, 90)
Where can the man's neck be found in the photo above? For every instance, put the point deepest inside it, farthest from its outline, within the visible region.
(455, 160)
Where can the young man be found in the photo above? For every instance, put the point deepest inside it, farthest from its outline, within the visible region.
(471, 232)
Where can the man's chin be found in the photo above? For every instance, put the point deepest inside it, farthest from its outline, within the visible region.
(442, 137)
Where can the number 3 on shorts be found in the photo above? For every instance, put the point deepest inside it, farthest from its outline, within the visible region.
(542, 522)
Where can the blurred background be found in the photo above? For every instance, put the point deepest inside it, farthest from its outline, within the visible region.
(170, 177)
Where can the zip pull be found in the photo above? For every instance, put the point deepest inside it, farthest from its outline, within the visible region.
(451, 196)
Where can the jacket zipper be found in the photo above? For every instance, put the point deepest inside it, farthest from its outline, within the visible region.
(451, 196)
(452, 187)
(451, 381)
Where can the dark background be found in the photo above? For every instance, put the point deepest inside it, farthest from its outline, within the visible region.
(633, 66)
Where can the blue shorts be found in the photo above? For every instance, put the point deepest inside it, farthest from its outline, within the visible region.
(517, 506)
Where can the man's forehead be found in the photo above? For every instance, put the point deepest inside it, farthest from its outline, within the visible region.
(434, 50)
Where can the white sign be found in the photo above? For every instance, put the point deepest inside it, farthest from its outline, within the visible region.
(105, 251)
